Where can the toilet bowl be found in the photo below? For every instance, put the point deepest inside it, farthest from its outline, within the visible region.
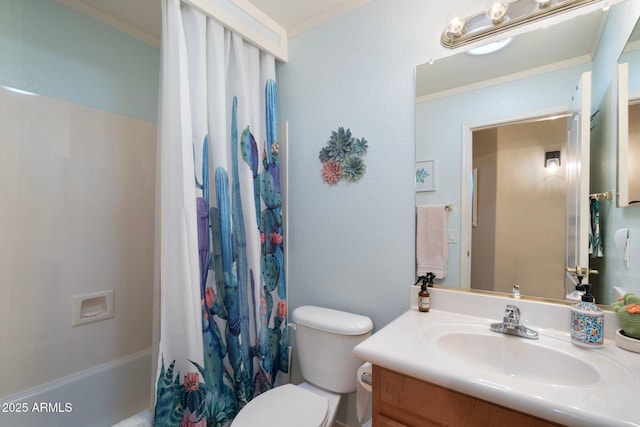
(325, 339)
(300, 405)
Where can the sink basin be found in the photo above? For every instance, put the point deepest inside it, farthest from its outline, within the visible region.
(513, 356)
(549, 377)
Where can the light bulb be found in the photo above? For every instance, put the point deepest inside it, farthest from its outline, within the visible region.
(552, 161)
(543, 3)
(455, 24)
(496, 11)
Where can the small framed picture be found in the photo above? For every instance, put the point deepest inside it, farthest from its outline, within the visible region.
(425, 176)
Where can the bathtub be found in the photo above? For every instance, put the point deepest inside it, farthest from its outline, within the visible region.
(98, 397)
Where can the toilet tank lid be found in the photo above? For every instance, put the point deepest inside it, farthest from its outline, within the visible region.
(333, 321)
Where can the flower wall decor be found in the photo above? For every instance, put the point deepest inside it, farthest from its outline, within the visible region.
(342, 157)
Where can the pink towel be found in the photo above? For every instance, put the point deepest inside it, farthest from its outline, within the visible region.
(431, 240)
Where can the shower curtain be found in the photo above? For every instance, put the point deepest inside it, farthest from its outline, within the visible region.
(223, 306)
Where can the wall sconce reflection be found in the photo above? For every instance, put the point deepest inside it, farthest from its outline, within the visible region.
(552, 160)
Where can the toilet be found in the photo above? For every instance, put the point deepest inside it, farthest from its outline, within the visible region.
(325, 339)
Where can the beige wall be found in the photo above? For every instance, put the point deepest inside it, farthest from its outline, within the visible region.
(485, 160)
(527, 242)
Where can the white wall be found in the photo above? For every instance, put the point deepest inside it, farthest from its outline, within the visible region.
(350, 244)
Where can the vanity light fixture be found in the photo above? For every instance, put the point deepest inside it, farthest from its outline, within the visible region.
(500, 16)
(552, 160)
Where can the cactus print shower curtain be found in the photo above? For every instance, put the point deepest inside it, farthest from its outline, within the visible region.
(223, 303)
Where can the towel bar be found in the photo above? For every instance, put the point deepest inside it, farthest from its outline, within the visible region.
(602, 196)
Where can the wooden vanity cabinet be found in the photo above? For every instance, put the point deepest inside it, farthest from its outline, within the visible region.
(403, 401)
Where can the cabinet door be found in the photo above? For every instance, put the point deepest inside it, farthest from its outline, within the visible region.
(402, 401)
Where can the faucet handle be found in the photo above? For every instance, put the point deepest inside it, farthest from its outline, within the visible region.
(511, 324)
(511, 315)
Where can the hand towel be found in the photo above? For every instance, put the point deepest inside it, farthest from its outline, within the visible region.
(363, 391)
(431, 240)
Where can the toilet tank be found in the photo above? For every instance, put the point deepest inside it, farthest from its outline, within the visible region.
(325, 339)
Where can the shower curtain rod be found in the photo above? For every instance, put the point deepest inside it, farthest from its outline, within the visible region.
(243, 18)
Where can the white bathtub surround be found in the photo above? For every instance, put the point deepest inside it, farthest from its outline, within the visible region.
(606, 394)
(141, 419)
(97, 397)
(76, 205)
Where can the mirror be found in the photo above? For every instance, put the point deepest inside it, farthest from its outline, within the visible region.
(629, 122)
(525, 79)
(507, 159)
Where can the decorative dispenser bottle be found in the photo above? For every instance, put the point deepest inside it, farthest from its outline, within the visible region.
(424, 301)
(587, 321)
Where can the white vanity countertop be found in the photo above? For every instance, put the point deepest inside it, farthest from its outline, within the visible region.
(404, 346)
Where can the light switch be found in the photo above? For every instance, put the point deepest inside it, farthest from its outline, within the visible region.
(452, 236)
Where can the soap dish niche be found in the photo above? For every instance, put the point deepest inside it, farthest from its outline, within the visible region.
(92, 307)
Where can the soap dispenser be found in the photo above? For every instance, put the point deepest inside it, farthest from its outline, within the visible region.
(576, 295)
(424, 301)
(587, 321)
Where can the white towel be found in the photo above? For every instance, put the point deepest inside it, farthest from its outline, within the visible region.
(363, 391)
(431, 240)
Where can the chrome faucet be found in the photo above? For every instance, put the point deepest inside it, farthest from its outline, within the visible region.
(511, 324)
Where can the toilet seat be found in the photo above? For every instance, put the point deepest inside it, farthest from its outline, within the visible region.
(287, 405)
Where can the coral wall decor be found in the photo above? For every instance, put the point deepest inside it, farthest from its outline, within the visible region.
(342, 157)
